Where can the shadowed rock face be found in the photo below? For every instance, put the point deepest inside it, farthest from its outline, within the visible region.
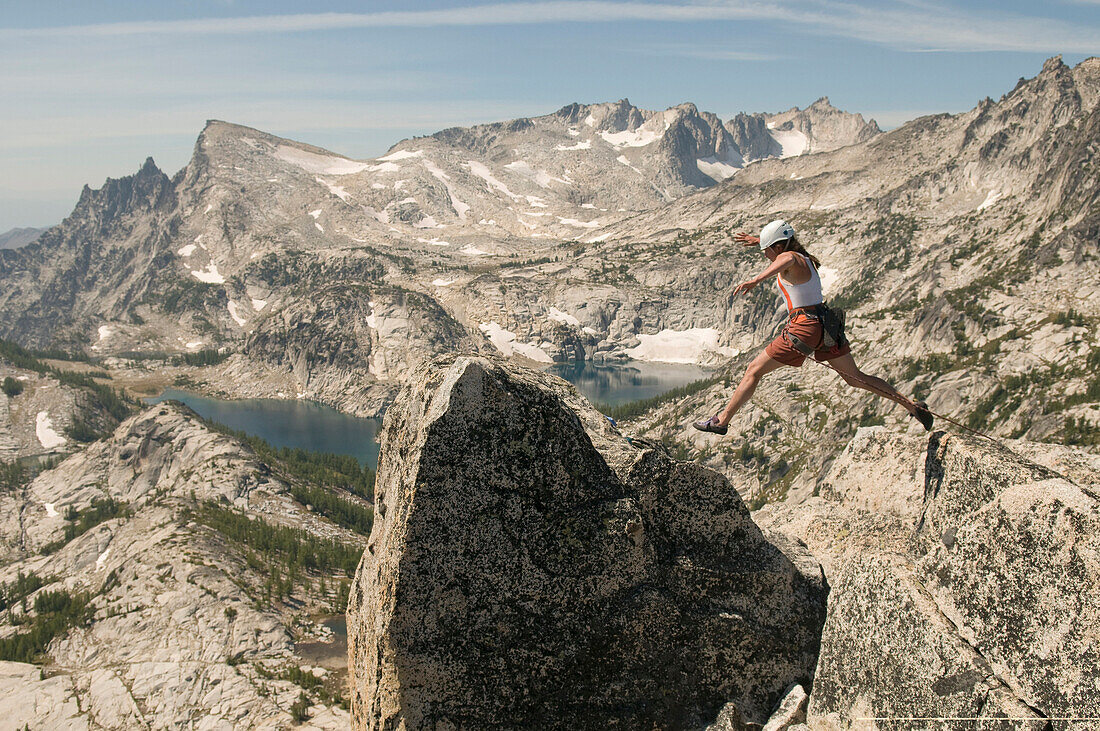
(530, 568)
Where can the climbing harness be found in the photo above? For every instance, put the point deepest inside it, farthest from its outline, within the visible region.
(832, 328)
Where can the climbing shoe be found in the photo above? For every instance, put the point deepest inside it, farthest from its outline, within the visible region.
(711, 425)
(923, 415)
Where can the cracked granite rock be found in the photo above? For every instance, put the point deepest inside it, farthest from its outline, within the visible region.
(965, 580)
(177, 637)
(530, 567)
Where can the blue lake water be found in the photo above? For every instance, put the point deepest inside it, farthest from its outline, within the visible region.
(308, 425)
(624, 382)
(289, 423)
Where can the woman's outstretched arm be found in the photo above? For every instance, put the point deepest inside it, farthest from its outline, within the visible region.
(782, 263)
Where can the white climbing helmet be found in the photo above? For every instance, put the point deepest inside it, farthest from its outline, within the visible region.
(775, 232)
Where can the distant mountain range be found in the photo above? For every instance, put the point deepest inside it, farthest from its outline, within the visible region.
(597, 232)
(17, 237)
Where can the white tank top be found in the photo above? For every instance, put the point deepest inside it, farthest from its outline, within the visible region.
(802, 295)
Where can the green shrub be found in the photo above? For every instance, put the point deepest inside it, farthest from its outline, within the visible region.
(1071, 318)
(285, 555)
(83, 431)
(1080, 433)
(12, 387)
(13, 475)
(23, 586)
(82, 521)
(57, 611)
(300, 710)
(206, 357)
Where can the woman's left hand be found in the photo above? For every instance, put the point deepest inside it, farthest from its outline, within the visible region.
(745, 287)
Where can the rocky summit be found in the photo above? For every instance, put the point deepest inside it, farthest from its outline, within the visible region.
(532, 568)
(964, 580)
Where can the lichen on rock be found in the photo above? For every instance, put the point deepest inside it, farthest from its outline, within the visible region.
(530, 567)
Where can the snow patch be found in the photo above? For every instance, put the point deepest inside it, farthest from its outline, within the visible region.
(540, 178)
(597, 239)
(235, 314)
(207, 210)
(471, 250)
(632, 138)
(43, 429)
(427, 222)
(372, 319)
(580, 224)
(582, 145)
(482, 171)
(624, 161)
(434, 242)
(210, 275)
(105, 331)
(563, 317)
(187, 250)
(318, 227)
(505, 342)
(101, 562)
(590, 330)
(402, 155)
(316, 214)
(680, 346)
(791, 142)
(317, 164)
(717, 169)
(337, 190)
(460, 208)
(195, 345)
(590, 121)
(535, 202)
(51, 510)
(386, 167)
(258, 304)
(990, 199)
(442, 282)
(381, 217)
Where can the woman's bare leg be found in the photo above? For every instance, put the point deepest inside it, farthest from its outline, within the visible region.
(853, 376)
(760, 366)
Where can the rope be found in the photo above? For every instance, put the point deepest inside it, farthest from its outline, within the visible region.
(875, 389)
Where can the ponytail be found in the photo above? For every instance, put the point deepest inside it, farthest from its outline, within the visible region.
(793, 244)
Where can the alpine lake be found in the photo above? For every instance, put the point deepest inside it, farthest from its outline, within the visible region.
(313, 427)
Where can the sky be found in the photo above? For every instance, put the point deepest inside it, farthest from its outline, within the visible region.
(90, 88)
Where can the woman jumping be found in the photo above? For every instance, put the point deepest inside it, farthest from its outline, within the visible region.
(795, 271)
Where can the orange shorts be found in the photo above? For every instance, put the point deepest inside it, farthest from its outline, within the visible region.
(808, 330)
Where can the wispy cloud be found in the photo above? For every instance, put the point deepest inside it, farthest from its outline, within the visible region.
(915, 26)
(522, 13)
(706, 52)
